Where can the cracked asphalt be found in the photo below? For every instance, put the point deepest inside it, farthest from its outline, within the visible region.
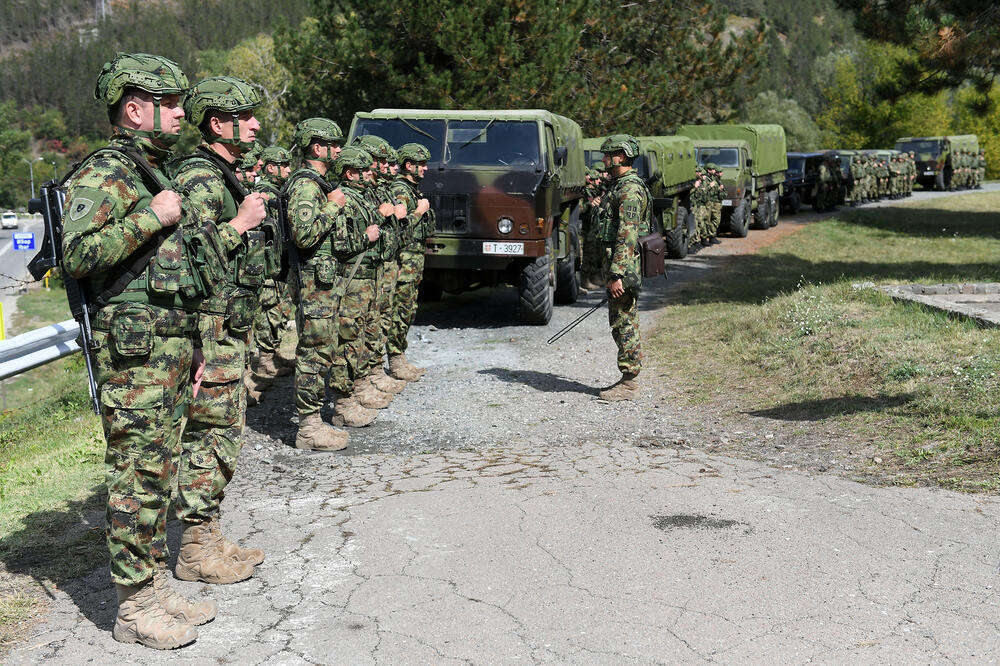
(498, 512)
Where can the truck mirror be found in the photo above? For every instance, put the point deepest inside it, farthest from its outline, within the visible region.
(561, 153)
(749, 161)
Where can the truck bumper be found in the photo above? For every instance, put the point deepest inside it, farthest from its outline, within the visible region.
(480, 253)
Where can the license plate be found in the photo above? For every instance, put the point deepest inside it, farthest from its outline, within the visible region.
(503, 248)
(727, 202)
(928, 173)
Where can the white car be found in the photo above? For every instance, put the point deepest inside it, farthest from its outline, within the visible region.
(8, 220)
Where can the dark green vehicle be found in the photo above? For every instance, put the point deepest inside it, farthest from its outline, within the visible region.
(667, 164)
(933, 157)
(506, 187)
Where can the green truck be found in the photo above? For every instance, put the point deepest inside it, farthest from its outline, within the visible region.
(667, 164)
(753, 163)
(506, 188)
(933, 156)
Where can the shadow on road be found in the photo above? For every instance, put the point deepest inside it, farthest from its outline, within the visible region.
(541, 381)
(815, 410)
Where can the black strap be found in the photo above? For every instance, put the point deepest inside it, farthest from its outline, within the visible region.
(233, 184)
(311, 175)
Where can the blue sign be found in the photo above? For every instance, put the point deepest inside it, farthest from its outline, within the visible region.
(24, 240)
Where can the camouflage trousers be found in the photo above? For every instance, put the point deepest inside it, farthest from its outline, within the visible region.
(623, 316)
(715, 219)
(404, 300)
(702, 219)
(144, 386)
(350, 360)
(314, 355)
(380, 319)
(275, 309)
(213, 437)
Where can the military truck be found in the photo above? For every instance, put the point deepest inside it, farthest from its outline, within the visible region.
(843, 157)
(933, 156)
(800, 186)
(506, 188)
(753, 164)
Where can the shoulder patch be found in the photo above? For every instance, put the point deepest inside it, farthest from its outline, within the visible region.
(79, 207)
(305, 211)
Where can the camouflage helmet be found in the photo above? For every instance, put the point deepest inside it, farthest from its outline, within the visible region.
(375, 145)
(276, 155)
(151, 73)
(316, 129)
(414, 152)
(393, 156)
(623, 142)
(249, 158)
(352, 157)
(221, 93)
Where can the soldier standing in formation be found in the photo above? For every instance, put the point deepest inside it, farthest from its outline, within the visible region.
(590, 262)
(625, 215)
(222, 109)
(119, 203)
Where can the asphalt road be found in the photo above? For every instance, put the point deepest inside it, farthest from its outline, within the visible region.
(498, 512)
(14, 263)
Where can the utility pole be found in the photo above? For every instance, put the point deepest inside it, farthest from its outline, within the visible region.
(31, 172)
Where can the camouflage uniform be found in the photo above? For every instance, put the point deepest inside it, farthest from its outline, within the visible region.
(411, 254)
(624, 217)
(590, 260)
(699, 204)
(855, 189)
(716, 193)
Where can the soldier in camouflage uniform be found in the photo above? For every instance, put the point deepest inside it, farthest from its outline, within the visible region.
(855, 187)
(590, 260)
(358, 268)
(716, 193)
(249, 164)
(827, 186)
(222, 109)
(276, 304)
(119, 202)
(323, 236)
(699, 205)
(379, 319)
(625, 216)
(420, 224)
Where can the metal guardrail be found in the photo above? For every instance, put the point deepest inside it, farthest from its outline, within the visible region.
(34, 348)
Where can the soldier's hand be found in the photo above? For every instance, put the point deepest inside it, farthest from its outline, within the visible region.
(400, 211)
(252, 212)
(596, 201)
(616, 288)
(197, 371)
(423, 206)
(167, 206)
(337, 196)
(373, 233)
(386, 209)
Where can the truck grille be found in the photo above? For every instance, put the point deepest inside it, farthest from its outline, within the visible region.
(452, 212)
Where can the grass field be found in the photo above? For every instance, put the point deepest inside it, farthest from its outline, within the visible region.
(784, 333)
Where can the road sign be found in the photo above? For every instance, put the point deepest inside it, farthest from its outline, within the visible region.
(24, 240)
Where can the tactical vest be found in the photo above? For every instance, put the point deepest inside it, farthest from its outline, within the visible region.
(360, 216)
(168, 280)
(419, 230)
(607, 230)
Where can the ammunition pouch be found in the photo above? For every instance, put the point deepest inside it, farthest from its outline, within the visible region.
(250, 261)
(131, 326)
(274, 245)
(325, 271)
(240, 311)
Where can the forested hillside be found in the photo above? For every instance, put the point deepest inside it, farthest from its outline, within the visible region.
(644, 67)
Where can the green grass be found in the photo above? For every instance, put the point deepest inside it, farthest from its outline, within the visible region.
(51, 455)
(784, 334)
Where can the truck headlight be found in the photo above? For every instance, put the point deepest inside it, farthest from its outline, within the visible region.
(505, 225)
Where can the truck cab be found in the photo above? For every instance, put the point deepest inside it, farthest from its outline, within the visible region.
(732, 157)
(505, 186)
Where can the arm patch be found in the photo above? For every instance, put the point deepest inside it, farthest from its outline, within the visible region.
(85, 205)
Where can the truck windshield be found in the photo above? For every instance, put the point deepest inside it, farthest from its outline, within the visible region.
(796, 166)
(930, 146)
(594, 158)
(492, 143)
(721, 157)
(398, 131)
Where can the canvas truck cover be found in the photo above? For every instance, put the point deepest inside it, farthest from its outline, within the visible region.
(677, 159)
(566, 132)
(767, 143)
(955, 141)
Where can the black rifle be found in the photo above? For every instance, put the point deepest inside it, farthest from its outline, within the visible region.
(576, 322)
(50, 204)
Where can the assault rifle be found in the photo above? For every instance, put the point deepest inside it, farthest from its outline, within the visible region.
(50, 204)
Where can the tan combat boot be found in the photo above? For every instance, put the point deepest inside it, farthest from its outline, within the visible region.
(368, 395)
(385, 383)
(268, 366)
(256, 385)
(349, 412)
(315, 435)
(627, 388)
(201, 558)
(282, 360)
(230, 549)
(415, 368)
(142, 619)
(400, 369)
(189, 612)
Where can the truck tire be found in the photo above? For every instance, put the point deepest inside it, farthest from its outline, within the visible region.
(762, 213)
(534, 295)
(738, 222)
(567, 277)
(677, 239)
(775, 207)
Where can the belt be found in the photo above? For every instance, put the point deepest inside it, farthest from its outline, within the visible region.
(165, 322)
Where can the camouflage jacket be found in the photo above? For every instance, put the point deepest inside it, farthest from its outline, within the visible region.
(699, 193)
(384, 249)
(107, 219)
(716, 188)
(356, 216)
(210, 201)
(625, 216)
(318, 225)
(416, 230)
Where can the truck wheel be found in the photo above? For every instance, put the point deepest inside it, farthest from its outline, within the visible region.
(677, 239)
(775, 208)
(567, 278)
(738, 222)
(534, 295)
(762, 214)
(796, 203)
